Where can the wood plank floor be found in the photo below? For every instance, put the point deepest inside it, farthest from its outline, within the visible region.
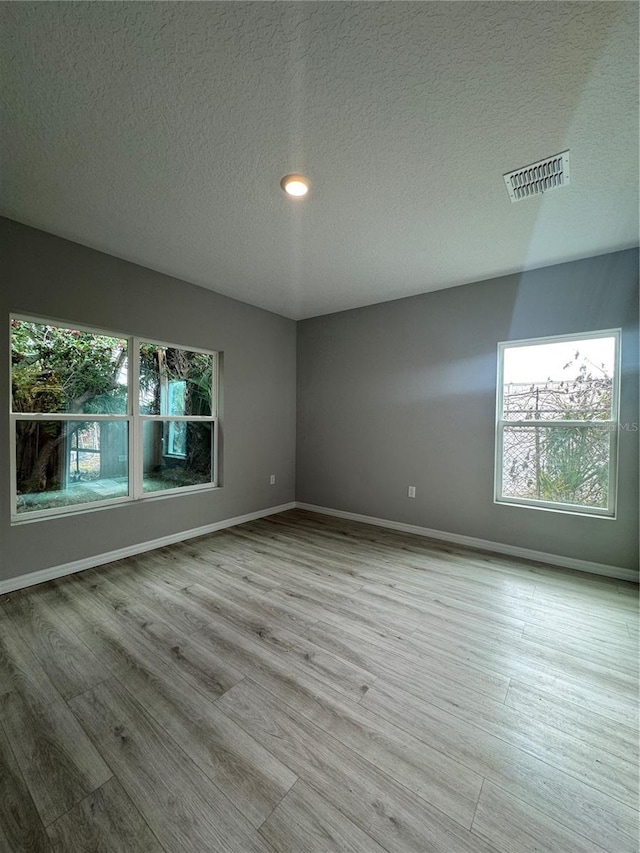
(302, 684)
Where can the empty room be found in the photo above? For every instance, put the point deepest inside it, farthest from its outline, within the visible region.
(319, 481)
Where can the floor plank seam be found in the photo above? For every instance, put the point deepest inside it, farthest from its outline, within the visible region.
(593, 844)
(355, 820)
(87, 690)
(36, 811)
(484, 779)
(215, 782)
(504, 701)
(526, 751)
(282, 798)
(82, 799)
(358, 755)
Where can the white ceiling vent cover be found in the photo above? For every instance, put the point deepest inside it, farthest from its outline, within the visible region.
(539, 177)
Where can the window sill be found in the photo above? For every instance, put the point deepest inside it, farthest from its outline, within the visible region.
(582, 512)
(69, 512)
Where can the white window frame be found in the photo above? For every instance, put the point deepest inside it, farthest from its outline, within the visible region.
(132, 418)
(613, 425)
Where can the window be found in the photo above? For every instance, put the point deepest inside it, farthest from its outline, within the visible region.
(99, 418)
(557, 422)
(176, 407)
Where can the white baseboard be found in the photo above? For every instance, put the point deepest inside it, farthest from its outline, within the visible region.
(33, 578)
(482, 544)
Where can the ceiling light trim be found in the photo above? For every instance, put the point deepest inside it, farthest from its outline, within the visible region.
(295, 185)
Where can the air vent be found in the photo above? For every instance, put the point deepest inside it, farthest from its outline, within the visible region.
(538, 178)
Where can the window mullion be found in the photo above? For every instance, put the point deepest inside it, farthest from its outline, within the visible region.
(498, 472)
(613, 469)
(13, 467)
(214, 461)
(215, 385)
(67, 416)
(135, 432)
(195, 418)
(557, 423)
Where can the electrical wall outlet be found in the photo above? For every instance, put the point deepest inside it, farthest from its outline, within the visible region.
(412, 491)
(272, 479)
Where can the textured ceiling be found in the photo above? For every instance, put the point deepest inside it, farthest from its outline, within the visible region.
(159, 132)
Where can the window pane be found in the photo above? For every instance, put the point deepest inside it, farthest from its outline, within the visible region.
(175, 381)
(64, 370)
(570, 380)
(555, 463)
(176, 454)
(65, 463)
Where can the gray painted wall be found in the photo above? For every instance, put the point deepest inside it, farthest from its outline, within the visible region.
(394, 394)
(50, 277)
(404, 393)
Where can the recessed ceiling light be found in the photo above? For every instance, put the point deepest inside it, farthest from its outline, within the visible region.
(295, 185)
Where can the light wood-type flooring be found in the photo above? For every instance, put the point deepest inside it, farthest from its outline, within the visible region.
(302, 684)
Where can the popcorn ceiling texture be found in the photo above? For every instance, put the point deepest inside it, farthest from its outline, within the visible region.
(159, 132)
